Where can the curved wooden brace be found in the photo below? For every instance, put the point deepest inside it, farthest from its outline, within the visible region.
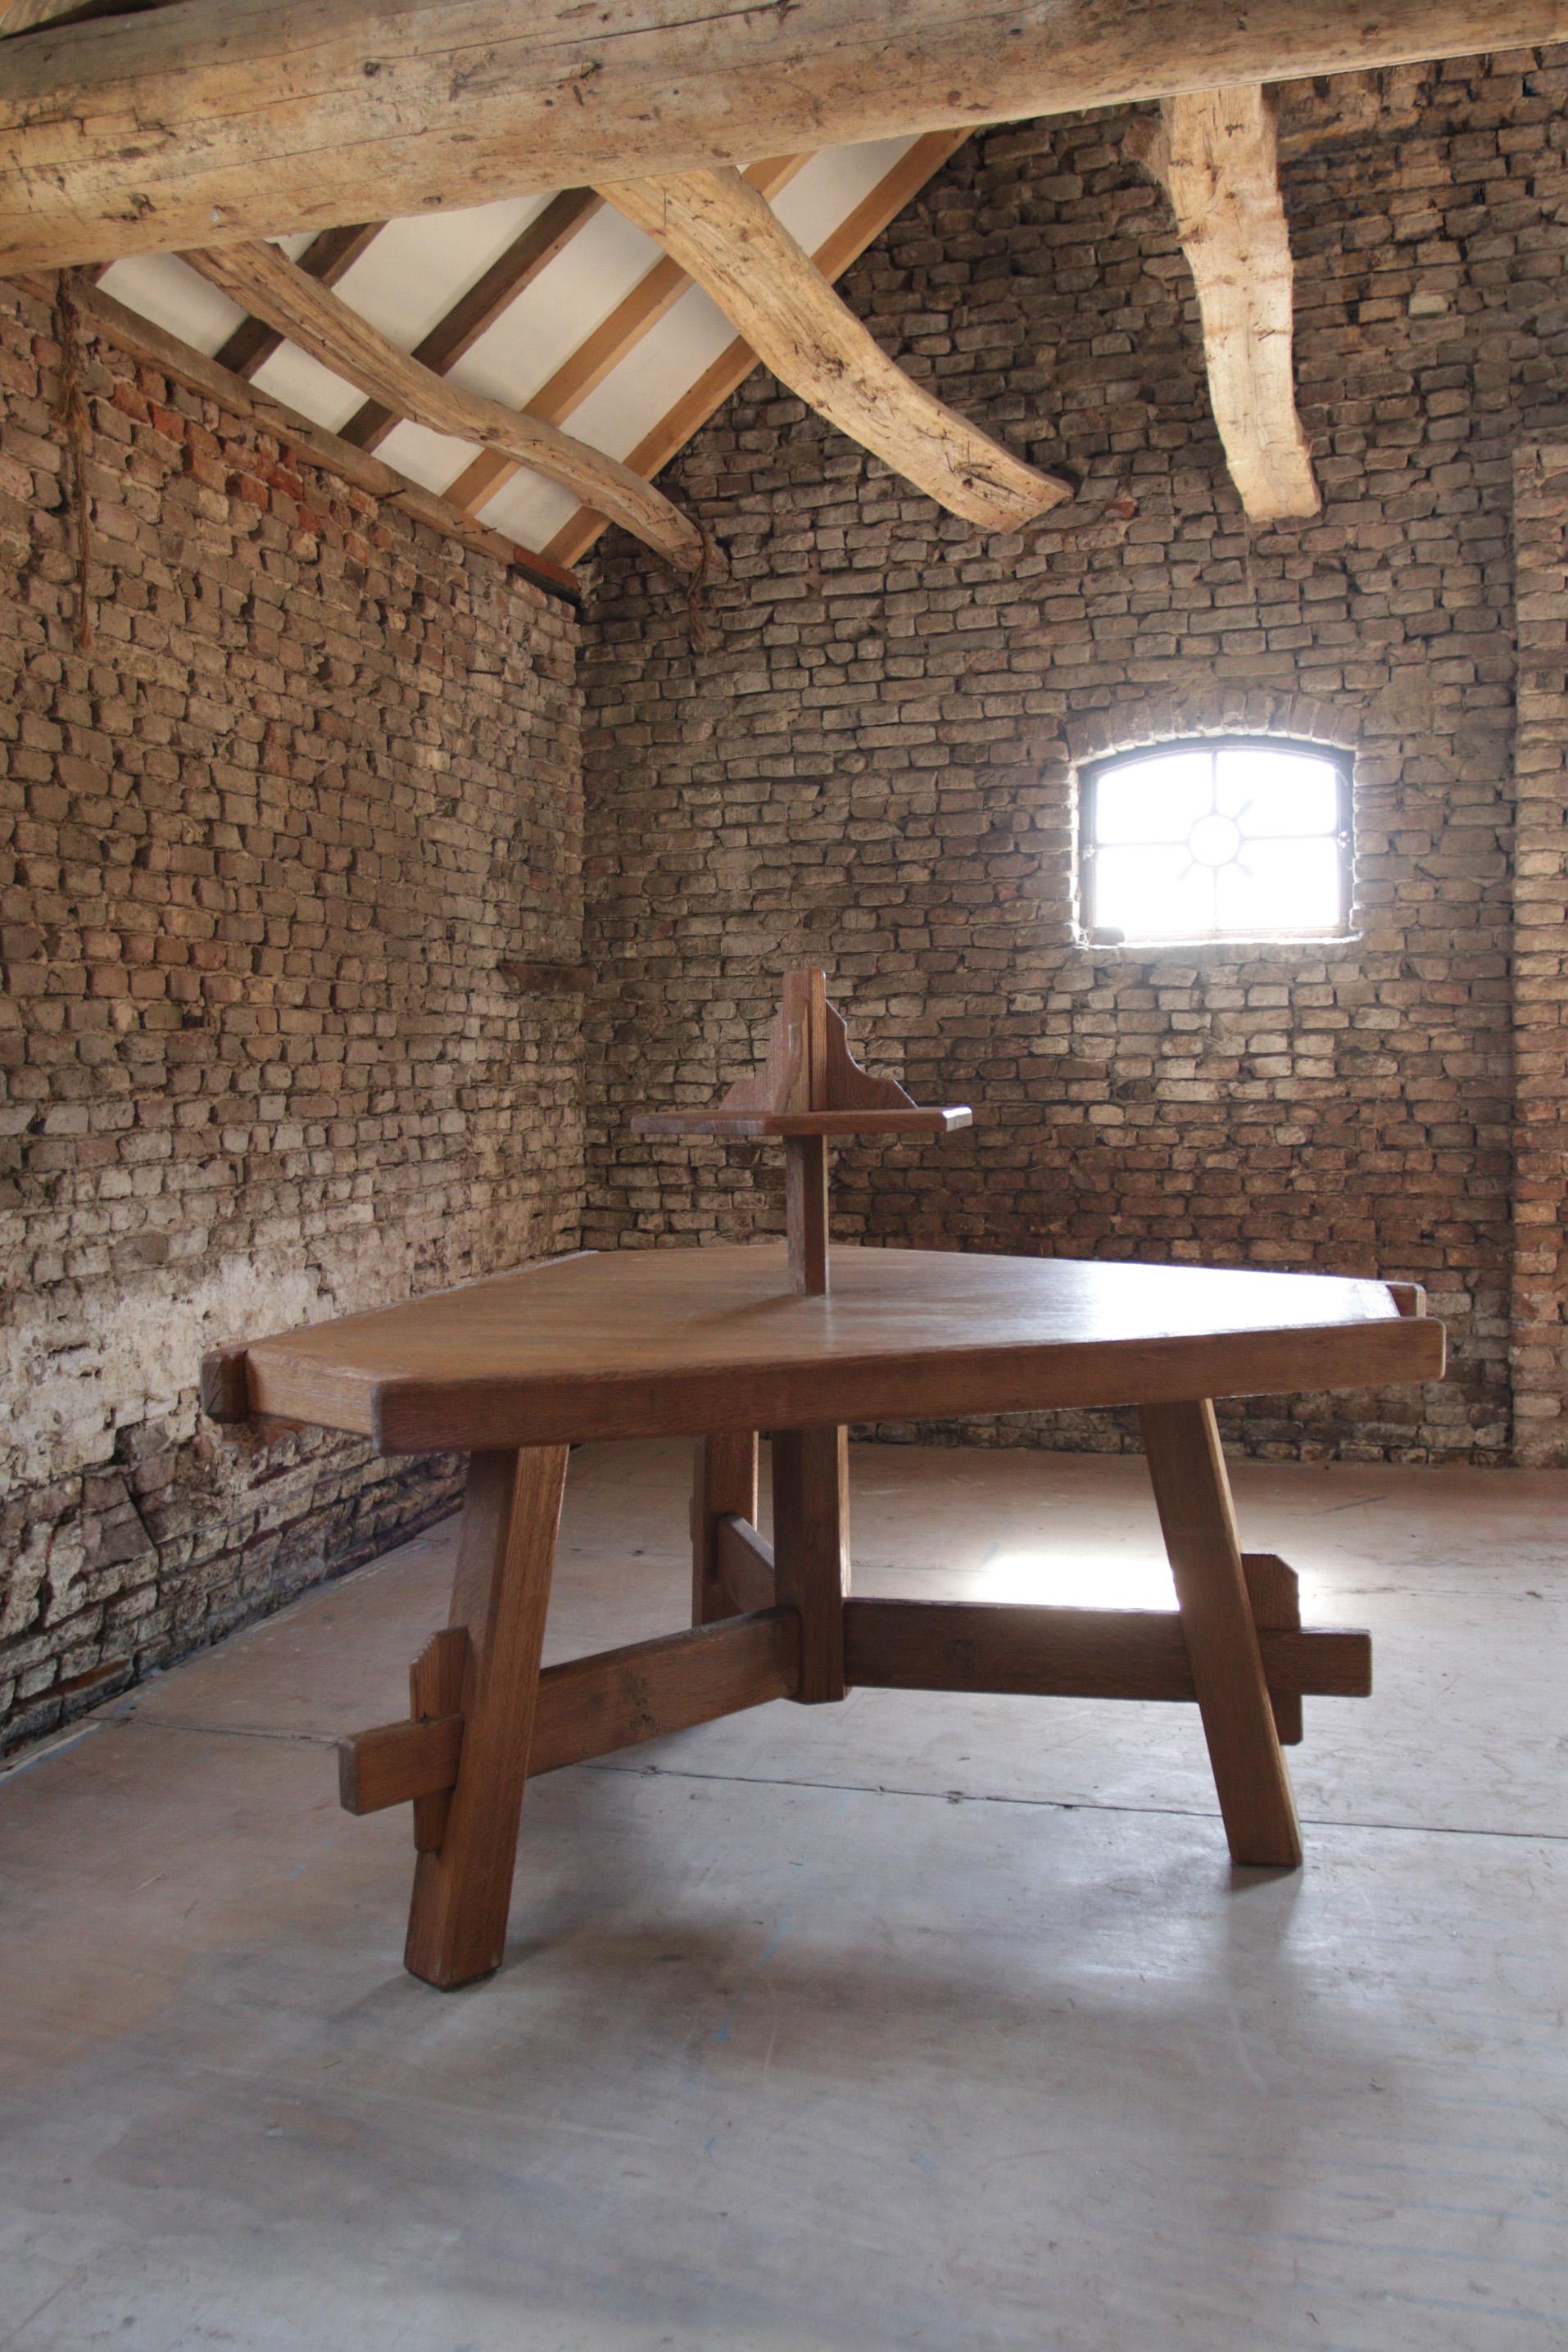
(1215, 155)
(726, 236)
(585, 368)
(267, 284)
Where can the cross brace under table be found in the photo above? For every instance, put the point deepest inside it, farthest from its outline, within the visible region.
(777, 1621)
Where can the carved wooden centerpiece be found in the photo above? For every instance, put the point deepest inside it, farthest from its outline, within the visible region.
(809, 1090)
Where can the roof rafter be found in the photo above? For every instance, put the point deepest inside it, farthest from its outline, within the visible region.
(727, 237)
(267, 284)
(328, 257)
(459, 329)
(585, 369)
(262, 132)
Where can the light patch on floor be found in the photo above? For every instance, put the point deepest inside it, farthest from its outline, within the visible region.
(922, 2022)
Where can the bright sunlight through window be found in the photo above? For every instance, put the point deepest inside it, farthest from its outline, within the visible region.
(1219, 840)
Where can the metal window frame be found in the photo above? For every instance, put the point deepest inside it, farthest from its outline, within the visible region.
(1334, 755)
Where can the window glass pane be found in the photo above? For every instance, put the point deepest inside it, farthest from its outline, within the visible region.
(1217, 841)
(1278, 792)
(1153, 894)
(1281, 886)
(1152, 800)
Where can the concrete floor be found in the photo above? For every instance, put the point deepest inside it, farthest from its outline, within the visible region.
(918, 2022)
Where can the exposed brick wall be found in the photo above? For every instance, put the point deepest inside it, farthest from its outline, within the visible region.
(1541, 973)
(265, 846)
(869, 764)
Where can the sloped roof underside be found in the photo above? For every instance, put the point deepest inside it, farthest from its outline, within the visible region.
(413, 271)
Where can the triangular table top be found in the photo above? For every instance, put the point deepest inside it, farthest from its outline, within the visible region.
(664, 1342)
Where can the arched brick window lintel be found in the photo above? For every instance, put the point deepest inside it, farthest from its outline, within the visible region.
(1134, 722)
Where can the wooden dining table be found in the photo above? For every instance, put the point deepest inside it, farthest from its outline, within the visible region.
(714, 1344)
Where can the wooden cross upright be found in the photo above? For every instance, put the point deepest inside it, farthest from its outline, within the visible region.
(809, 1090)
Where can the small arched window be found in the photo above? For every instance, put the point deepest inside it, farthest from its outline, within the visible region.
(1227, 838)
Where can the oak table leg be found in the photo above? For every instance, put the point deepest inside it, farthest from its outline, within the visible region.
(724, 1485)
(462, 1889)
(1192, 1494)
(811, 1549)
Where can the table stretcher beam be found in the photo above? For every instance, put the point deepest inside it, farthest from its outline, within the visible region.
(591, 1707)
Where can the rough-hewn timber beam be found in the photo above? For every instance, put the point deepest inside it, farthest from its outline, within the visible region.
(213, 121)
(734, 363)
(459, 329)
(1216, 157)
(584, 370)
(1004, 1645)
(329, 258)
(129, 331)
(30, 16)
(726, 236)
(270, 286)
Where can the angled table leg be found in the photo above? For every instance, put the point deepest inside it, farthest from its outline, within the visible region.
(1193, 1494)
(811, 1549)
(462, 1889)
(724, 1485)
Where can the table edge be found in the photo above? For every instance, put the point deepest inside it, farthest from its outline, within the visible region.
(408, 1414)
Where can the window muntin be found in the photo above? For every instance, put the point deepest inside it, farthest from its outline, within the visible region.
(1230, 838)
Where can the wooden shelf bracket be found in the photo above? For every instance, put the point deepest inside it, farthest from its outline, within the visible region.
(809, 1090)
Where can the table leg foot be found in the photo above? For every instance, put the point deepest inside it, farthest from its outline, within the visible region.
(1193, 1494)
(462, 1889)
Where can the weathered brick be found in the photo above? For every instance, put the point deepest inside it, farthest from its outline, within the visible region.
(1364, 1122)
(352, 898)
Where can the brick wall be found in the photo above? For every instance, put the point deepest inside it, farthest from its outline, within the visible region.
(1541, 974)
(870, 762)
(268, 841)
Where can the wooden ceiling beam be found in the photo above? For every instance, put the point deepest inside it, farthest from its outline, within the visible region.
(508, 277)
(585, 369)
(327, 257)
(841, 248)
(219, 120)
(270, 286)
(32, 15)
(141, 339)
(728, 238)
(1215, 155)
